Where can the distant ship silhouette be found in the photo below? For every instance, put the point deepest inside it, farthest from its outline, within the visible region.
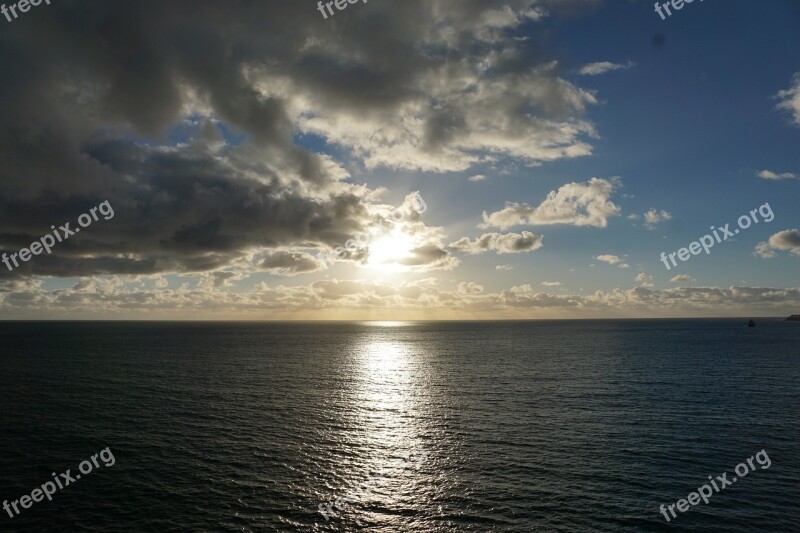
(796, 318)
(751, 324)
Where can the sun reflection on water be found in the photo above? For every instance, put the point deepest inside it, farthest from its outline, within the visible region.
(386, 323)
(387, 410)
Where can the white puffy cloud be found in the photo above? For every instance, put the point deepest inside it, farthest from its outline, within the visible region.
(579, 204)
(681, 278)
(612, 260)
(526, 288)
(653, 217)
(770, 175)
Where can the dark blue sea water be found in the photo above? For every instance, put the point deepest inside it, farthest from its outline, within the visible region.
(504, 426)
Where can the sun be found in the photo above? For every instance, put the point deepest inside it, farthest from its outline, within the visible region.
(388, 252)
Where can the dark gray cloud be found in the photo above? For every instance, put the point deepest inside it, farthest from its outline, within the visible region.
(502, 243)
(787, 240)
(118, 101)
(289, 263)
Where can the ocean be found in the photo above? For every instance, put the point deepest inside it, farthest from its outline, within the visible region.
(420, 426)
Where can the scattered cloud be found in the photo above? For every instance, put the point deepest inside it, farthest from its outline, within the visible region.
(469, 287)
(601, 67)
(654, 217)
(787, 240)
(681, 278)
(769, 175)
(790, 99)
(644, 280)
(579, 204)
(508, 243)
(613, 260)
(526, 288)
(117, 297)
(551, 283)
(476, 178)
(208, 280)
(504, 267)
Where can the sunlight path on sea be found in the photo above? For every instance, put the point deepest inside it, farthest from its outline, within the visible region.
(388, 389)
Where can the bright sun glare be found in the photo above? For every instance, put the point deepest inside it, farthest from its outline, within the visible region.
(387, 253)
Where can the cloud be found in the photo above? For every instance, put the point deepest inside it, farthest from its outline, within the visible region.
(579, 204)
(469, 287)
(20, 285)
(763, 249)
(395, 238)
(508, 243)
(415, 246)
(610, 259)
(790, 99)
(521, 289)
(644, 280)
(210, 280)
(551, 283)
(613, 260)
(449, 90)
(769, 175)
(504, 267)
(428, 257)
(653, 218)
(188, 122)
(288, 263)
(681, 278)
(787, 240)
(121, 297)
(595, 69)
(476, 178)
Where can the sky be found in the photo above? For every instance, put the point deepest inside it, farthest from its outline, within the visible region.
(414, 160)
